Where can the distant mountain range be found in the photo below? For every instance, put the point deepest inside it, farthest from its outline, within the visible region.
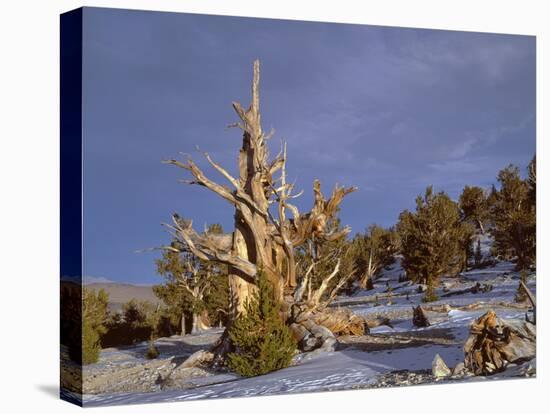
(119, 292)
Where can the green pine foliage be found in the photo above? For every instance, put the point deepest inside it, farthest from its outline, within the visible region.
(474, 206)
(91, 343)
(216, 300)
(138, 313)
(212, 280)
(514, 217)
(430, 295)
(467, 232)
(373, 251)
(432, 240)
(137, 321)
(94, 311)
(532, 182)
(177, 299)
(262, 341)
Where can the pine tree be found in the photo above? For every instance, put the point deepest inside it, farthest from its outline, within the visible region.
(94, 312)
(514, 217)
(431, 240)
(491, 202)
(322, 255)
(262, 341)
(466, 237)
(532, 182)
(474, 206)
(138, 313)
(193, 287)
(373, 251)
(532, 196)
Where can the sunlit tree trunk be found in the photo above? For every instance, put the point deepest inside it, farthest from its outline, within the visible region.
(262, 239)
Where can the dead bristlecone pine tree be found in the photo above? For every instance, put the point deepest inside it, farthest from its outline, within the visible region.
(268, 227)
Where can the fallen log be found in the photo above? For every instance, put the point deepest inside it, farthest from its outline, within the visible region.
(341, 322)
(494, 343)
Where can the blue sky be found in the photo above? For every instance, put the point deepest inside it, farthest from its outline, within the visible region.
(389, 110)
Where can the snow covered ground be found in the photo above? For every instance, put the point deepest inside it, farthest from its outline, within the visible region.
(359, 362)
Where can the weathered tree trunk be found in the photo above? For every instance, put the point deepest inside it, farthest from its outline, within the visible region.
(260, 241)
(494, 343)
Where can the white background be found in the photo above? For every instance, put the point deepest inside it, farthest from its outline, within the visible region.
(29, 193)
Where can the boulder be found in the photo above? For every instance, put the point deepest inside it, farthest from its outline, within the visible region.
(312, 336)
(439, 368)
(322, 332)
(198, 358)
(459, 369)
(329, 345)
(309, 343)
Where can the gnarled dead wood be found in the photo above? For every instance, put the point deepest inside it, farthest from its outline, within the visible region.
(206, 247)
(494, 343)
(315, 222)
(341, 321)
(262, 239)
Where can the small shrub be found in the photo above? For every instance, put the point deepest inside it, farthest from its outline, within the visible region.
(262, 341)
